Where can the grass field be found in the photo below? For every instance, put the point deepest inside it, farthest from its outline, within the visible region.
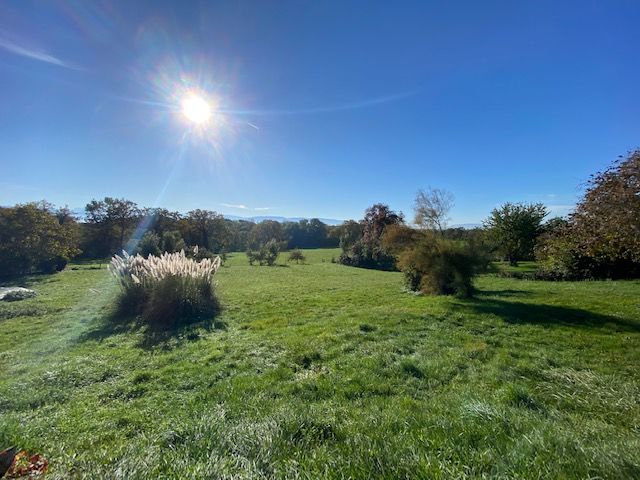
(325, 371)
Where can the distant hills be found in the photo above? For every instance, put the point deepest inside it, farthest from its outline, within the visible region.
(262, 218)
(80, 214)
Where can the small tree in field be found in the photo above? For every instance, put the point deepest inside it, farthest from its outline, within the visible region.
(297, 256)
(514, 227)
(267, 254)
(432, 208)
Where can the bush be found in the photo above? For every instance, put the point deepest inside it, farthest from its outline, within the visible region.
(436, 266)
(368, 255)
(172, 241)
(149, 244)
(166, 290)
(297, 256)
(269, 252)
(201, 253)
(266, 255)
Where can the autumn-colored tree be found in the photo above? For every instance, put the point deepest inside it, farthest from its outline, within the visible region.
(602, 236)
(368, 251)
(606, 222)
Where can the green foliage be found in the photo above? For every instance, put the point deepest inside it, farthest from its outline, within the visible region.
(297, 256)
(111, 221)
(307, 234)
(149, 244)
(263, 232)
(201, 253)
(34, 237)
(436, 266)
(267, 254)
(514, 227)
(206, 229)
(172, 241)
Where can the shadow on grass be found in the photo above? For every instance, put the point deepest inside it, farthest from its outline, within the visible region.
(502, 293)
(545, 315)
(154, 335)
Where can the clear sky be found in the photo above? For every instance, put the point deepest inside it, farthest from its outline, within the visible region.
(321, 107)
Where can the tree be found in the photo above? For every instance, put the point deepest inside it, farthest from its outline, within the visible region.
(172, 241)
(207, 229)
(349, 233)
(35, 237)
(265, 231)
(602, 237)
(606, 221)
(111, 220)
(368, 251)
(376, 219)
(432, 208)
(238, 234)
(266, 254)
(160, 220)
(515, 227)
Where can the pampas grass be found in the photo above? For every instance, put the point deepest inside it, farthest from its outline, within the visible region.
(166, 290)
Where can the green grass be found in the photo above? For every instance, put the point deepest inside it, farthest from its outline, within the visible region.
(325, 371)
(522, 267)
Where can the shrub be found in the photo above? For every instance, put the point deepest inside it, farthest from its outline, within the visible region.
(201, 253)
(297, 256)
(168, 289)
(149, 244)
(436, 266)
(266, 255)
(252, 255)
(172, 241)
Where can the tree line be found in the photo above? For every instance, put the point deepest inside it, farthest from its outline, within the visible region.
(39, 237)
(600, 239)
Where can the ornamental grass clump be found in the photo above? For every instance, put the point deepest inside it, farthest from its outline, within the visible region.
(168, 289)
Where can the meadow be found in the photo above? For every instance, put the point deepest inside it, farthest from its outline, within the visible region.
(320, 370)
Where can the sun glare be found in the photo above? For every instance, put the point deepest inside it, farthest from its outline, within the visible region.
(196, 109)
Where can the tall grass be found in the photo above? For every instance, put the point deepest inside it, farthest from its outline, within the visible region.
(168, 289)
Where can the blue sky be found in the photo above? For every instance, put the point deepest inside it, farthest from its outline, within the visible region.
(321, 108)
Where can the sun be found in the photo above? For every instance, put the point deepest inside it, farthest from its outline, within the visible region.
(196, 109)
